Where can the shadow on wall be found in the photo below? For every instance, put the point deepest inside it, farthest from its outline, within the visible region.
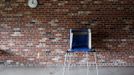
(97, 40)
(3, 52)
(10, 58)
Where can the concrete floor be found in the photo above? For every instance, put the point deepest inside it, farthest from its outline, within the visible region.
(72, 71)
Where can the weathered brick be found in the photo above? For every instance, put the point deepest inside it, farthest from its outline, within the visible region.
(43, 32)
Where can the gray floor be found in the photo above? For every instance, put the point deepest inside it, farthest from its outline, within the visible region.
(72, 71)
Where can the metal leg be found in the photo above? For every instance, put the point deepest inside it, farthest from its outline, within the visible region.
(87, 63)
(69, 60)
(64, 65)
(97, 70)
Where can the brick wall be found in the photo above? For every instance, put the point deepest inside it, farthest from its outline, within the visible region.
(37, 34)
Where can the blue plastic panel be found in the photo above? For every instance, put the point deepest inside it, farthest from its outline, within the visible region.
(80, 41)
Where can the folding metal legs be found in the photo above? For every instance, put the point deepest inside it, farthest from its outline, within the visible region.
(66, 65)
(87, 64)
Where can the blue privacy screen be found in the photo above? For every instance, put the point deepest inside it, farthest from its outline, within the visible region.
(80, 41)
